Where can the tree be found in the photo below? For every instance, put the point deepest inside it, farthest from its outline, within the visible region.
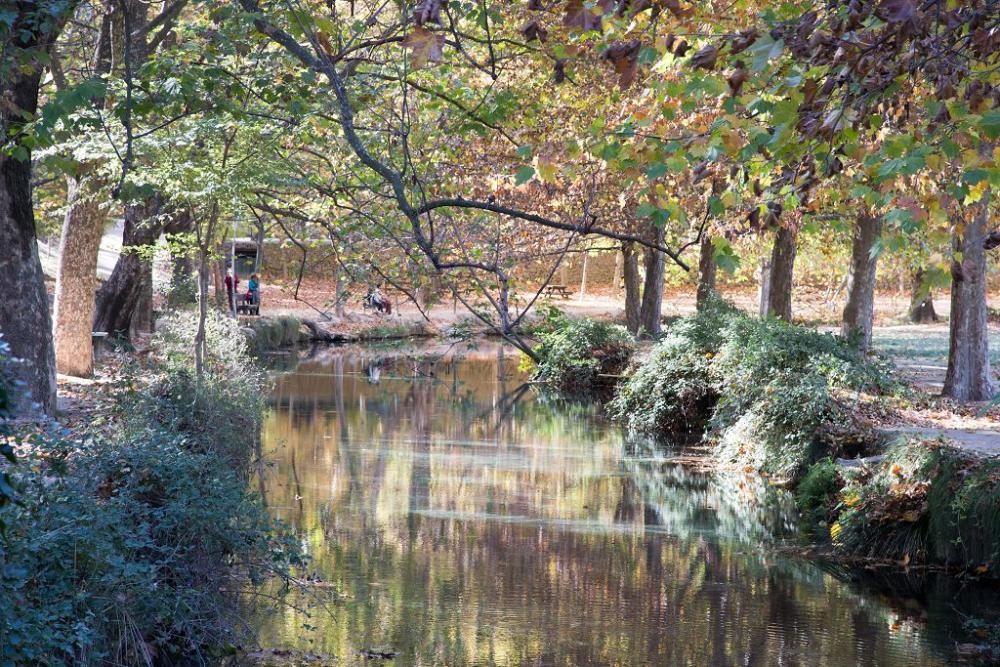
(781, 272)
(969, 377)
(859, 313)
(27, 33)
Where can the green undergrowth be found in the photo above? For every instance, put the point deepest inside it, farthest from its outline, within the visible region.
(135, 539)
(770, 396)
(582, 354)
(925, 502)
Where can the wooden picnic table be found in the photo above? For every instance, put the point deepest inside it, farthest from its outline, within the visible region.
(560, 291)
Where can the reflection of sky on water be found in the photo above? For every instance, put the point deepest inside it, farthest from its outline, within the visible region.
(465, 521)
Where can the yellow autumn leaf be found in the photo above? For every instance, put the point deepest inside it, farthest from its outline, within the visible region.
(976, 192)
(835, 530)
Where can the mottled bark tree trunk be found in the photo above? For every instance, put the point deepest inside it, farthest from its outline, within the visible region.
(779, 287)
(652, 290)
(764, 285)
(706, 272)
(859, 313)
(921, 300)
(76, 281)
(340, 294)
(616, 279)
(121, 296)
(969, 377)
(633, 289)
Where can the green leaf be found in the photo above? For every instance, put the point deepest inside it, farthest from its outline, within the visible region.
(763, 50)
(990, 124)
(656, 170)
(524, 174)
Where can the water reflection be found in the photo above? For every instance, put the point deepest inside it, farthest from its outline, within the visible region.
(465, 520)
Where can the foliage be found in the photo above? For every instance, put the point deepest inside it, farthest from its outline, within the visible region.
(818, 486)
(671, 392)
(925, 502)
(139, 543)
(775, 396)
(575, 353)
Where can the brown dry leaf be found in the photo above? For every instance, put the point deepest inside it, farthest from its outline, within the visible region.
(897, 11)
(425, 45)
(578, 15)
(896, 470)
(533, 30)
(625, 58)
(910, 517)
(427, 11)
(982, 569)
(705, 57)
(737, 78)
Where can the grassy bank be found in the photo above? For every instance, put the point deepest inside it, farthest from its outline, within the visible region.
(767, 395)
(134, 539)
(925, 502)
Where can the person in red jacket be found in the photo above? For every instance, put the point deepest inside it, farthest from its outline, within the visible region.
(232, 285)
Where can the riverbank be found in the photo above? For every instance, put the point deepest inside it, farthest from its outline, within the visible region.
(787, 402)
(134, 537)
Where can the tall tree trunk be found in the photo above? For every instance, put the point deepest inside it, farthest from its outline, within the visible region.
(340, 293)
(921, 300)
(616, 279)
(24, 308)
(633, 289)
(859, 313)
(652, 291)
(583, 276)
(706, 272)
(76, 281)
(764, 286)
(779, 292)
(969, 377)
(120, 297)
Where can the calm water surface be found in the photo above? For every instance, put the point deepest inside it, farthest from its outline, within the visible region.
(458, 517)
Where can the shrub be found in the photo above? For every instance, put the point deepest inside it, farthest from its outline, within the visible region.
(672, 393)
(139, 543)
(775, 397)
(575, 353)
(818, 487)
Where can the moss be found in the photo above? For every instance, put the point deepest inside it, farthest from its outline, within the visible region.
(818, 487)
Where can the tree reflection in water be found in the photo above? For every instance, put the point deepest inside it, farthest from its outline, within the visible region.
(466, 520)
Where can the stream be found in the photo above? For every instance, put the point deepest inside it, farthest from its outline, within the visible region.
(455, 515)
